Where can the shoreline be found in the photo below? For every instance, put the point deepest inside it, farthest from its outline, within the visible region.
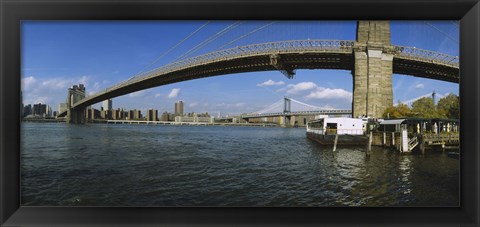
(128, 122)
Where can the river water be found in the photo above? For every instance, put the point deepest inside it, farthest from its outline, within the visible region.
(146, 165)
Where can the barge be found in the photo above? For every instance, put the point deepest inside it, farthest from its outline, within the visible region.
(347, 131)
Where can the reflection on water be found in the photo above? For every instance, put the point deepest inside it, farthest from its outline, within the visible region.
(141, 165)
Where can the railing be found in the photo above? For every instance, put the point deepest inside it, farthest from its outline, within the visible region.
(449, 136)
(426, 55)
(299, 113)
(412, 143)
(320, 131)
(291, 46)
(315, 131)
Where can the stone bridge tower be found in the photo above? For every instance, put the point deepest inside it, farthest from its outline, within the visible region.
(75, 94)
(372, 73)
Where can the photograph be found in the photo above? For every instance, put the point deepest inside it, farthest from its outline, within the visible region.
(240, 113)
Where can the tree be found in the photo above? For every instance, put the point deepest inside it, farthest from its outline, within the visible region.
(399, 111)
(449, 106)
(425, 108)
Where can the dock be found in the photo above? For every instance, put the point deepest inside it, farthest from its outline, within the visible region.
(406, 142)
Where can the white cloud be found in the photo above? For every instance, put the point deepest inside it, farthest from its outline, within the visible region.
(270, 83)
(193, 104)
(419, 86)
(43, 100)
(83, 80)
(174, 93)
(28, 82)
(303, 86)
(137, 94)
(328, 107)
(231, 105)
(52, 91)
(328, 93)
(57, 83)
(239, 104)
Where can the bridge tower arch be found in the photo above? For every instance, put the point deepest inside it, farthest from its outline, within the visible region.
(75, 94)
(372, 72)
(286, 105)
(286, 112)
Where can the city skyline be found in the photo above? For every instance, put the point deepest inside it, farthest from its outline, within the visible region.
(55, 56)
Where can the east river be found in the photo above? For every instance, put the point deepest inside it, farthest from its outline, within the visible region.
(145, 165)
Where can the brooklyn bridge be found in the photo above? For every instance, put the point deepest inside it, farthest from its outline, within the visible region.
(371, 58)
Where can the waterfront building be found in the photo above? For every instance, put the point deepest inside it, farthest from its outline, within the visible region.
(92, 113)
(107, 104)
(106, 114)
(179, 108)
(152, 115)
(39, 109)
(116, 114)
(194, 119)
(123, 114)
(164, 116)
(49, 112)
(206, 114)
(27, 110)
(130, 115)
(137, 114)
(62, 107)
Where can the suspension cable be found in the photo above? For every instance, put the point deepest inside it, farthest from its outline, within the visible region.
(245, 35)
(312, 106)
(271, 107)
(209, 40)
(171, 49)
(444, 33)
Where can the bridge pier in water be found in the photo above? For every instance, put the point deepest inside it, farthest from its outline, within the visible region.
(372, 72)
(76, 116)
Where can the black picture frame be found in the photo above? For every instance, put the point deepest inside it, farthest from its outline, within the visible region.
(12, 12)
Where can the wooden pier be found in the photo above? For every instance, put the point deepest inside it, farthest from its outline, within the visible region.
(408, 142)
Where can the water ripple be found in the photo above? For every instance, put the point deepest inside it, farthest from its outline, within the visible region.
(138, 165)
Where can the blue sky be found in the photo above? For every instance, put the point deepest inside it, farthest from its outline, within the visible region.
(56, 55)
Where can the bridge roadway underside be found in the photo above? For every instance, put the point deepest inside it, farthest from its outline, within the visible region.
(425, 69)
(288, 61)
(238, 65)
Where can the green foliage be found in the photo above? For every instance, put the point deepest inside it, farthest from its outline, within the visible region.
(425, 108)
(399, 111)
(447, 107)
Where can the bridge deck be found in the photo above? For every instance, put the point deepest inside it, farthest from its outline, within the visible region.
(285, 56)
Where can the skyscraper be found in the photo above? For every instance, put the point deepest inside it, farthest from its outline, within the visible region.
(27, 110)
(62, 107)
(39, 109)
(179, 108)
(152, 115)
(107, 104)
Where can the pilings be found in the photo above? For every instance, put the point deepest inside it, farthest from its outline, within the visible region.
(335, 144)
(404, 142)
(369, 148)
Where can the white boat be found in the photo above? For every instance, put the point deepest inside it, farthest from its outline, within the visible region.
(350, 131)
